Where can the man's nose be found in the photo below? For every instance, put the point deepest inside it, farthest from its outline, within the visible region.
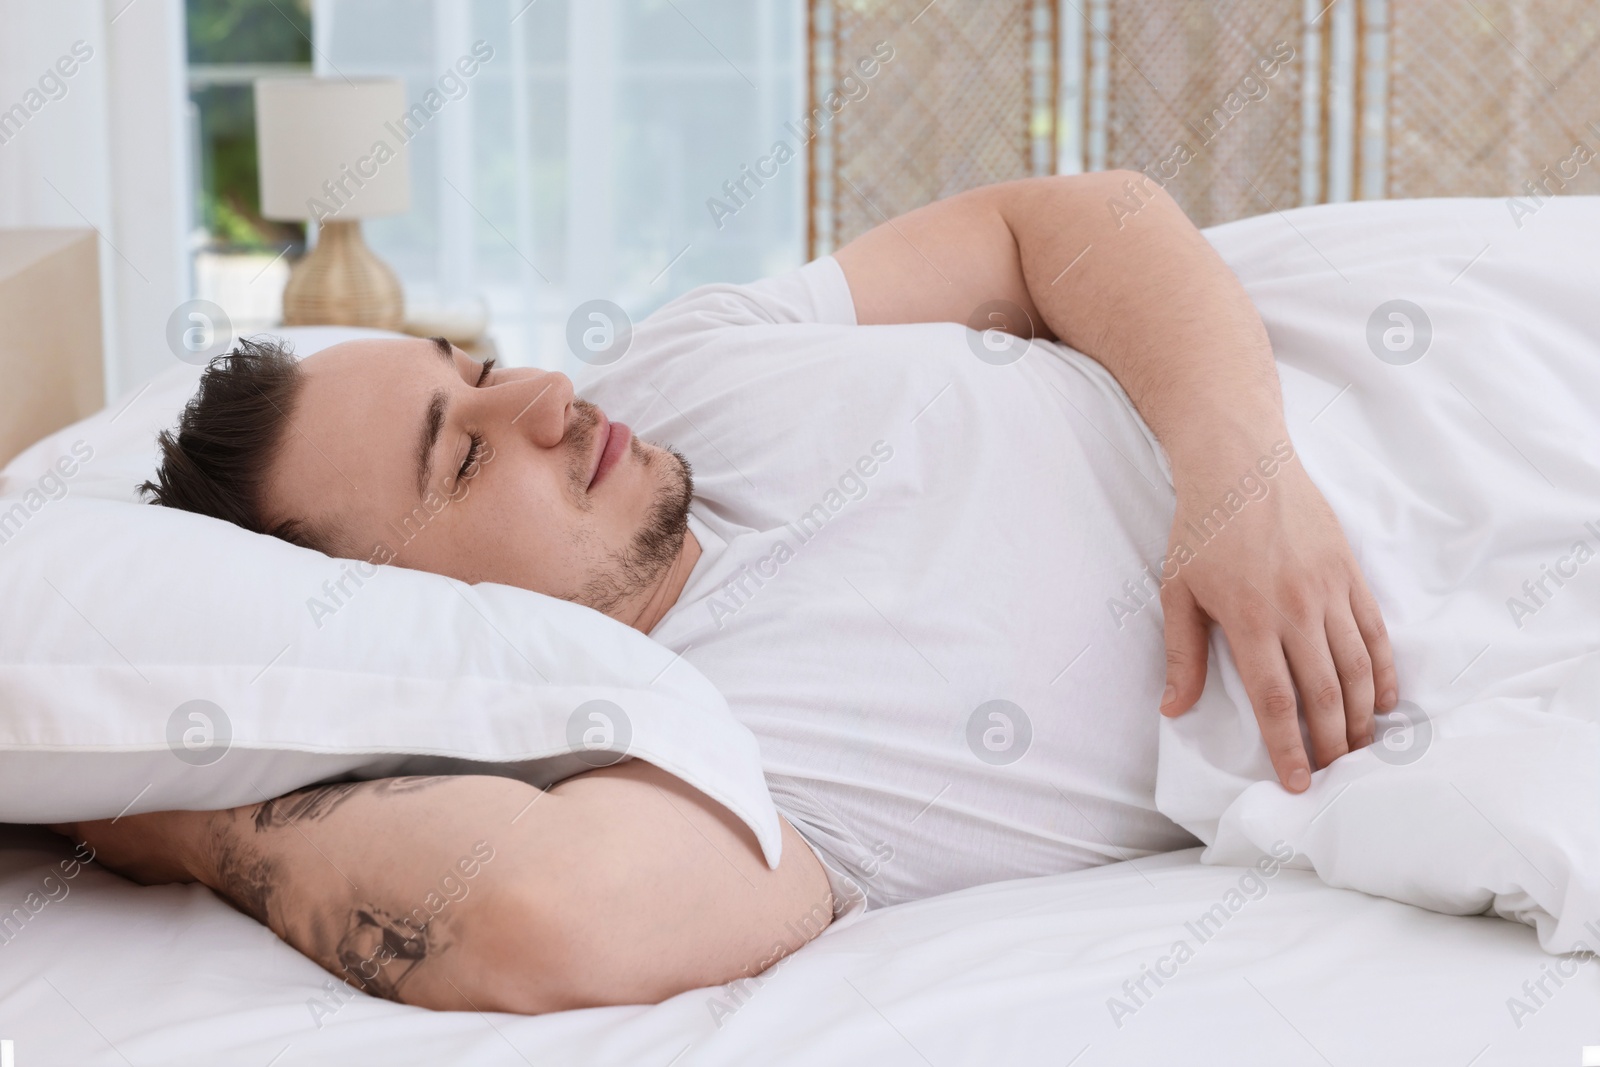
(537, 404)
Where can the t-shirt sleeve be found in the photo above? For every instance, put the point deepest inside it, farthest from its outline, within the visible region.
(814, 293)
(749, 325)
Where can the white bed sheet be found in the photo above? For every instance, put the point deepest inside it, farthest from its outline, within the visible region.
(1013, 973)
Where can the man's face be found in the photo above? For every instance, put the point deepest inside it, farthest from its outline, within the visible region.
(404, 445)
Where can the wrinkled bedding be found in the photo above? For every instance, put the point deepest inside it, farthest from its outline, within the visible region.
(1459, 444)
(1261, 969)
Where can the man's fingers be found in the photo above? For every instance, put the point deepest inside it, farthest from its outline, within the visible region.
(1355, 676)
(1186, 628)
(1321, 692)
(1266, 677)
(1369, 620)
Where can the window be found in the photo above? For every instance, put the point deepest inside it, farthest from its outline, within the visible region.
(240, 259)
(580, 161)
(586, 159)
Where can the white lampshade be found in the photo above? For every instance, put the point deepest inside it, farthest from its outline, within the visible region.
(331, 148)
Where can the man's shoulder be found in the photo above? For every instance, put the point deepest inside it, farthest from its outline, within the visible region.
(815, 293)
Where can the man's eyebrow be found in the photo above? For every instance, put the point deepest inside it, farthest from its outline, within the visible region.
(431, 425)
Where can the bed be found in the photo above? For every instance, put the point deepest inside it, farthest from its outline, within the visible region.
(1039, 971)
(1160, 959)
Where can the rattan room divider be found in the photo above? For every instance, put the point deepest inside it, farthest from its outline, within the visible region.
(965, 97)
(1236, 107)
(1486, 97)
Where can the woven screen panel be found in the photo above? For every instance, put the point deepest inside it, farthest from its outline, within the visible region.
(966, 100)
(1486, 96)
(1218, 81)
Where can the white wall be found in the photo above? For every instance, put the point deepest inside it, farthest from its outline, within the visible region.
(108, 152)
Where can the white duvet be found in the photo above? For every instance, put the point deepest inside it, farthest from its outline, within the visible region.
(1468, 482)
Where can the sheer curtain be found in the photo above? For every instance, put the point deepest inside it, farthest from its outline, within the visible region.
(578, 161)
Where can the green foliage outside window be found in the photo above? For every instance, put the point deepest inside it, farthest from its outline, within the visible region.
(222, 33)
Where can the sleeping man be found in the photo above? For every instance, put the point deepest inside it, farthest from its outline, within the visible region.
(946, 575)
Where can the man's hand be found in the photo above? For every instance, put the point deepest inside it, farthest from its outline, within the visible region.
(1277, 575)
(1109, 264)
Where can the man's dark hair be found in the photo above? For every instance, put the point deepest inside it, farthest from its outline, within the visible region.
(216, 462)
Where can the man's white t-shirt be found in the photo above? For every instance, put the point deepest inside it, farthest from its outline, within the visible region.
(916, 579)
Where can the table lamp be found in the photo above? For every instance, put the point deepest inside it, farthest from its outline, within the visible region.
(329, 153)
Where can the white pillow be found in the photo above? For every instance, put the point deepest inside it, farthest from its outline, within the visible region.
(153, 659)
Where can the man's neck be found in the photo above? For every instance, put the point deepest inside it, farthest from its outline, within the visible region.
(659, 600)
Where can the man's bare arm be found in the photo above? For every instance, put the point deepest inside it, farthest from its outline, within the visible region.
(1146, 295)
(621, 885)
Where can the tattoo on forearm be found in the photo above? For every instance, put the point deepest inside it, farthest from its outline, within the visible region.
(246, 877)
(319, 801)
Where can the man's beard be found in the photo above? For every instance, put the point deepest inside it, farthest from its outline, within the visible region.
(631, 571)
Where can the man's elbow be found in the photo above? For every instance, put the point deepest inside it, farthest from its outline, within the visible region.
(580, 951)
(527, 950)
(514, 951)
(627, 888)
(1129, 188)
(1102, 200)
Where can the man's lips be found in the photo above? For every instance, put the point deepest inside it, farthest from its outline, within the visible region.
(611, 441)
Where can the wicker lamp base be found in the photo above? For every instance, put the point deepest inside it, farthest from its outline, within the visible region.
(342, 283)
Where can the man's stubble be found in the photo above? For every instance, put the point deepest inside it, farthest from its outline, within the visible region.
(630, 571)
